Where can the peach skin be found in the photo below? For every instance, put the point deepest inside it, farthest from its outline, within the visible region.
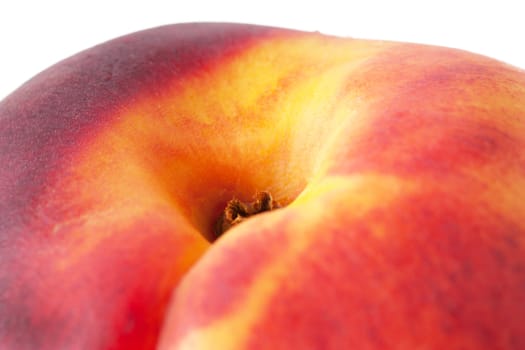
(229, 186)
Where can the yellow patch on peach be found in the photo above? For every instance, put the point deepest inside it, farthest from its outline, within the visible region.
(287, 99)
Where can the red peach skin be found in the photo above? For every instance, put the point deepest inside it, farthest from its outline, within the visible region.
(400, 169)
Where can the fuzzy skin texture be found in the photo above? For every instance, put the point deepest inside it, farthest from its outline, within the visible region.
(400, 166)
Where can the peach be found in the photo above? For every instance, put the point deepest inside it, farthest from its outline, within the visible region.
(396, 172)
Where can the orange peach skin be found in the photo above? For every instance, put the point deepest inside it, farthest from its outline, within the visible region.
(401, 165)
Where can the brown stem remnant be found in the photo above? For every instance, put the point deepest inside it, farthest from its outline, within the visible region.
(237, 211)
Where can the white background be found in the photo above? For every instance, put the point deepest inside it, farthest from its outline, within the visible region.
(36, 34)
